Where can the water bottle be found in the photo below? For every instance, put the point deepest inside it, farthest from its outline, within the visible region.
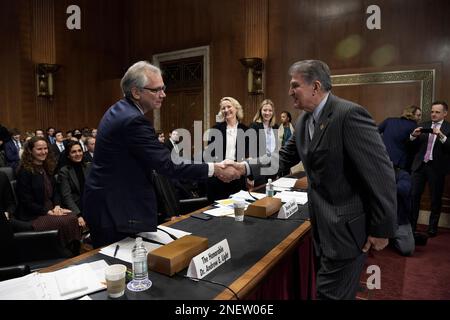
(269, 188)
(139, 254)
(140, 280)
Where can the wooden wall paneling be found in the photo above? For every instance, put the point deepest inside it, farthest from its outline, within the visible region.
(10, 102)
(256, 25)
(26, 89)
(43, 51)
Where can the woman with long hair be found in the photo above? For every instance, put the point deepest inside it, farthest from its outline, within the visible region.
(71, 179)
(264, 124)
(38, 199)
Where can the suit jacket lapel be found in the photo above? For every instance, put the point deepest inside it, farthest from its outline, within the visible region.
(302, 137)
(322, 124)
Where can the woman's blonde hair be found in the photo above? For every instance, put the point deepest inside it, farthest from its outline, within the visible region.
(234, 103)
(410, 112)
(258, 116)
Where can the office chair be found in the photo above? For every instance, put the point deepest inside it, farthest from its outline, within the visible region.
(169, 204)
(23, 250)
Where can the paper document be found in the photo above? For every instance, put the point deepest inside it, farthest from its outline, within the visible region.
(300, 197)
(284, 182)
(246, 196)
(68, 283)
(163, 237)
(125, 247)
(220, 212)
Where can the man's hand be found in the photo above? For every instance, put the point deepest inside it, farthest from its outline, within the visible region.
(416, 132)
(375, 243)
(239, 166)
(226, 171)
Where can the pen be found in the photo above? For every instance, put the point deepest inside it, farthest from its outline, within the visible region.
(115, 251)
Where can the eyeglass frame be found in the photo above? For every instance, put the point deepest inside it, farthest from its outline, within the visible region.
(155, 90)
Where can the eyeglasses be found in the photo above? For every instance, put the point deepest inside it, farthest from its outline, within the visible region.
(155, 90)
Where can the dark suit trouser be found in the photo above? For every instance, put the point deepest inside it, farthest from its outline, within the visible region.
(339, 279)
(424, 174)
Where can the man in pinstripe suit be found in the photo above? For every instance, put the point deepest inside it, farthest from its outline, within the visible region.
(352, 190)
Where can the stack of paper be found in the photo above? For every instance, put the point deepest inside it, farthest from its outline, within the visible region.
(247, 196)
(68, 283)
(285, 183)
(300, 197)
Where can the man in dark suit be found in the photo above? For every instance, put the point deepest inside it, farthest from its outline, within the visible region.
(172, 142)
(431, 163)
(119, 198)
(352, 190)
(89, 154)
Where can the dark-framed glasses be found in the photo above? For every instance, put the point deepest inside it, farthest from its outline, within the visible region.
(155, 90)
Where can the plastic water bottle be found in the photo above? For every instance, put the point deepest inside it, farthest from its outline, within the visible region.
(269, 188)
(140, 280)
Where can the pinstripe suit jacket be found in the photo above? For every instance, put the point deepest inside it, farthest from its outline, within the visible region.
(352, 189)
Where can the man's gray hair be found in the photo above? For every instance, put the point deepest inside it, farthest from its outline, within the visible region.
(136, 76)
(312, 70)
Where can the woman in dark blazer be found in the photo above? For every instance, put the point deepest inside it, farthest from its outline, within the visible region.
(267, 135)
(71, 179)
(38, 199)
(234, 147)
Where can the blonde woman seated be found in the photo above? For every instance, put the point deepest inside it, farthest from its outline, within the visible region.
(38, 199)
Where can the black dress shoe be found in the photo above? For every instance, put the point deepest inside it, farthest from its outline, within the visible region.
(420, 238)
(432, 233)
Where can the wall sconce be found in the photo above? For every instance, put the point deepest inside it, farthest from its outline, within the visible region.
(254, 78)
(44, 79)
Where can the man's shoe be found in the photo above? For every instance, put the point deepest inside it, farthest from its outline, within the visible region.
(420, 238)
(432, 233)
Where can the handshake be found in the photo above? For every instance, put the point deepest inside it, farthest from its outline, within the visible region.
(228, 170)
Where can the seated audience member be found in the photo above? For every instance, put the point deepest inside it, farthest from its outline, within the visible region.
(39, 133)
(38, 199)
(94, 132)
(286, 130)
(403, 240)
(51, 135)
(13, 149)
(161, 137)
(58, 149)
(172, 142)
(7, 202)
(71, 179)
(4, 136)
(76, 133)
(89, 154)
(69, 135)
(8, 206)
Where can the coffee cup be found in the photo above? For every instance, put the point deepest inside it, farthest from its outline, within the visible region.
(239, 208)
(115, 280)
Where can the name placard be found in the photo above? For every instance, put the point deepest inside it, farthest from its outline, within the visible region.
(209, 260)
(288, 209)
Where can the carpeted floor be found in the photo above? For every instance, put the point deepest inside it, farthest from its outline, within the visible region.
(423, 276)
